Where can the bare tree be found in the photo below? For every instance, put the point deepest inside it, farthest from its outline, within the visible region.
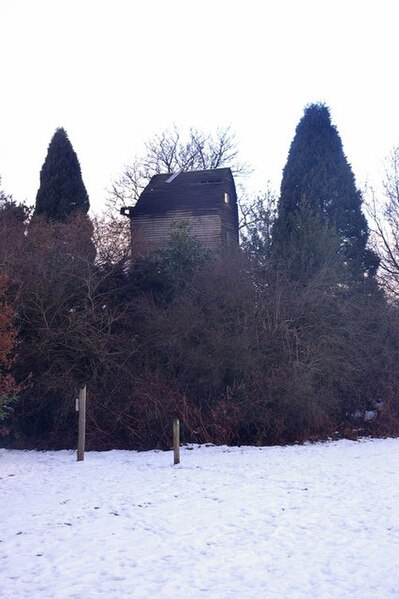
(384, 213)
(112, 239)
(257, 217)
(8, 343)
(172, 151)
(69, 314)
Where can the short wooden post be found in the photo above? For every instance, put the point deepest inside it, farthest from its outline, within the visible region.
(82, 424)
(176, 441)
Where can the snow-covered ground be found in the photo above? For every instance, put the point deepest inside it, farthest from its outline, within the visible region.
(317, 521)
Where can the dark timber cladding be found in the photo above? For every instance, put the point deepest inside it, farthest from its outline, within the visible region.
(206, 200)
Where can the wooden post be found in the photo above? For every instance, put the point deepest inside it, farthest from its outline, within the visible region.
(82, 424)
(176, 441)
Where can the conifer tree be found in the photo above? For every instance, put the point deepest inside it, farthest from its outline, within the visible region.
(318, 174)
(62, 191)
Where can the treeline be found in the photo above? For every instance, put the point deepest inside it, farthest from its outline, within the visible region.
(293, 337)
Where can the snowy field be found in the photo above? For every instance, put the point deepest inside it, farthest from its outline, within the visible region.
(316, 521)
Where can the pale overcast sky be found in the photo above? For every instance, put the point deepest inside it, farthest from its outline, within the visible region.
(113, 73)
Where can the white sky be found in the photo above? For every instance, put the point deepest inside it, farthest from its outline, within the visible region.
(113, 73)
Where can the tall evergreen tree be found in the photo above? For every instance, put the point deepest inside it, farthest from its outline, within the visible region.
(318, 176)
(62, 191)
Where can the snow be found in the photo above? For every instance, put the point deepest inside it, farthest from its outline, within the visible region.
(318, 520)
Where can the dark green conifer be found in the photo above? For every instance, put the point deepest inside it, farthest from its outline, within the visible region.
(62, 191)
(318, 173)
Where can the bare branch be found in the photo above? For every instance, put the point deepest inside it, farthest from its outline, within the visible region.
(384, 215)
(171, 151)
